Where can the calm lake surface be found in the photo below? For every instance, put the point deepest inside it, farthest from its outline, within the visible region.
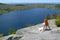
(21, 18)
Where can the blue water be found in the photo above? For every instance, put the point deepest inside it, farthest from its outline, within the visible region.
(20, 18)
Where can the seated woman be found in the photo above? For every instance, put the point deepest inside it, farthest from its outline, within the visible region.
(46, 25)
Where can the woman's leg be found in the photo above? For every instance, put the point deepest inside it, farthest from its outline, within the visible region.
(45, 27)
(48, 26)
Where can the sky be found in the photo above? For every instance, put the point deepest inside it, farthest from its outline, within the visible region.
(29, 1)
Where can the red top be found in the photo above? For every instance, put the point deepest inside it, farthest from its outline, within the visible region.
(46, 22)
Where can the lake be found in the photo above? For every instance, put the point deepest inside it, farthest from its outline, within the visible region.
(21, 18)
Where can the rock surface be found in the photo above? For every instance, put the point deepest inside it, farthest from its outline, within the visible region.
(32, 33)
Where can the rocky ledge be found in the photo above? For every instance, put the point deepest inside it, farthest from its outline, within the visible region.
(33, 33)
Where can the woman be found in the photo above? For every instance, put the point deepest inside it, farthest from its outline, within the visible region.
(46, 25)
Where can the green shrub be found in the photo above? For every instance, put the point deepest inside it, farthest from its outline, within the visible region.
(11, 31)
(47, 16)
(57, 22)
(1, 35)
(55, 15)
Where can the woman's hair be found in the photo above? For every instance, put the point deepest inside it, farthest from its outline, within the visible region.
(45, 19)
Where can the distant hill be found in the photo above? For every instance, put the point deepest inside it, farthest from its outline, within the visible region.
(4, 8)
(2, 4)
(19, 4)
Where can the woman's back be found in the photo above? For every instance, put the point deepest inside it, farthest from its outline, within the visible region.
(46, 22)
